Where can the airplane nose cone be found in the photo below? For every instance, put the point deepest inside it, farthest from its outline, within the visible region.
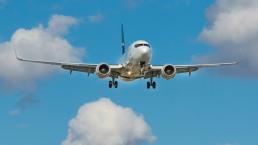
(145, 50)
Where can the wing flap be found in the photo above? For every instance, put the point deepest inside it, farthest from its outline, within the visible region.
(186, 69)
(151, 74)
(81, 68)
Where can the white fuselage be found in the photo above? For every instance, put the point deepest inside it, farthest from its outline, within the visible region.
(137, 57)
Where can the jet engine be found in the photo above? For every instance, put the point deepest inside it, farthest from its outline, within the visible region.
(103, 70)
(168, 72)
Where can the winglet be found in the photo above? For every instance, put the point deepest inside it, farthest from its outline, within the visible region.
(234, 63)
(237, 62)
(16, 55)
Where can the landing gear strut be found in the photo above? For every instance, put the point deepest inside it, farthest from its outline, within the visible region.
(151, 83)
(113, 83)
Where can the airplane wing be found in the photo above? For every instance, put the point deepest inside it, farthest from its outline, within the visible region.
(81, 67)
(155, 70)
(192, 68)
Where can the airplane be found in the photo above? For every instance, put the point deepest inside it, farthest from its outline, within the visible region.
(136, 65)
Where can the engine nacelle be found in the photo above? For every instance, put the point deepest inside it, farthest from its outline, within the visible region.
(103, 70)
(168, 72)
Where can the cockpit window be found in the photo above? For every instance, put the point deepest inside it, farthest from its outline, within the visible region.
(146, 45)
(142, 44)
(138, 45)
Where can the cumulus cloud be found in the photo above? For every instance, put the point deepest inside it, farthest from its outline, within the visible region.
(233, 31)
(105, 123)
(60, 25)
(36, 43)
(96, 18)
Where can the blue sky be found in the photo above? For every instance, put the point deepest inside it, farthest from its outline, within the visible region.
(204, 109)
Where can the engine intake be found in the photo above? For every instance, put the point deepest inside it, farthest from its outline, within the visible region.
(168, 72)
(103, 70)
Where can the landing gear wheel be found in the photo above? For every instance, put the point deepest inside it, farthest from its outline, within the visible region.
(110, 84)
(148, 85)
(116, 84)
(154, 85)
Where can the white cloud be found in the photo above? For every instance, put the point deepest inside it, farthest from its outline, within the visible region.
(233, 31)
(96, 18)
(60, 25)
(236, 19)
(36, 43)
(105, 123)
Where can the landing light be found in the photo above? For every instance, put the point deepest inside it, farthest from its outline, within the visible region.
(129, 73)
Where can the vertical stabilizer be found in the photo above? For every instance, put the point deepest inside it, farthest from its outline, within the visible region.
(123, 39)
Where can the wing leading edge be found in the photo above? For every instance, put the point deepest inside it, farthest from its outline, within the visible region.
(155, 70)
(88, 68)
(81, 67)
(152, 71)
(192, 68)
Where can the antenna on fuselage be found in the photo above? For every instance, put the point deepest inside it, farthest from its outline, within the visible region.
(123, 39)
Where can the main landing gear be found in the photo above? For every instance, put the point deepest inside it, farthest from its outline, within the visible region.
(151, 83)
(113, 83)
